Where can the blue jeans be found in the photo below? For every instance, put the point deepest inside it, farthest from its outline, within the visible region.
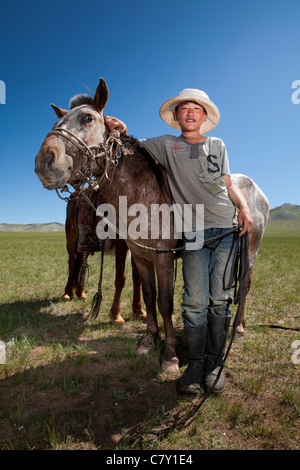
(203, 272)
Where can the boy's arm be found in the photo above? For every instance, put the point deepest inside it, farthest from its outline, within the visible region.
(244, 216)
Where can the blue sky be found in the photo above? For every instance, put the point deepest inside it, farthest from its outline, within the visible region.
(243, 54)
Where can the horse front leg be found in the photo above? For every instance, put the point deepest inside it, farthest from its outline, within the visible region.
(80, 274)
(71, 238)
(137, 309)
(165, 272)
(147, 274)
(68, 294)
(120, 278)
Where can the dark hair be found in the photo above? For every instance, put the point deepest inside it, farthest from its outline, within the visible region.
(78, 100)
(176, 109)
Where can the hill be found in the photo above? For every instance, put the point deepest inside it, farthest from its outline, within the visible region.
(50, 227)
(285, 216)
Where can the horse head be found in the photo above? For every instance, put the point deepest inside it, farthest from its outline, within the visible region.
(61, 155)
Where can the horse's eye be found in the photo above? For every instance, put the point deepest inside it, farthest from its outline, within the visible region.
(89, 118)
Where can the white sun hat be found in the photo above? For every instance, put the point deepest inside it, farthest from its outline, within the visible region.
(191, 94)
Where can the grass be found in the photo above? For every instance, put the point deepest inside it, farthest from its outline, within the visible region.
(69, 383)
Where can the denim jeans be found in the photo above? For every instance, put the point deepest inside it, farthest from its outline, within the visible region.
(203, 272)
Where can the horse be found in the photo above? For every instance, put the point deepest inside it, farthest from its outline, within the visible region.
(77, 262)
(260, 208)
(70, 151)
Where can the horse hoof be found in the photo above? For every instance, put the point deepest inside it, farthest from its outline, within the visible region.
(143, 315)
(141, 349)
(240, 330)
(66, 297)
(170, 366)
(81, 296)
(146, 345)
(118, 321)
(139, 314)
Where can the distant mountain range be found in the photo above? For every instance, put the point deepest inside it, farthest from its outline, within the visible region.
(287, 215)
(51, 227)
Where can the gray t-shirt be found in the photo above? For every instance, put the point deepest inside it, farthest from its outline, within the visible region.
(195, 175)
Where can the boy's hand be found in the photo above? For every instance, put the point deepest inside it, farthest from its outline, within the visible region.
(115, 124)
(245, 219)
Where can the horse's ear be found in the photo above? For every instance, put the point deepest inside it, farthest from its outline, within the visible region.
(59, 111)
(101, 96)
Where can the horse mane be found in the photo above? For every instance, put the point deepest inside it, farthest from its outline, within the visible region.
(129, 141)
(158, 170)
(78, 100)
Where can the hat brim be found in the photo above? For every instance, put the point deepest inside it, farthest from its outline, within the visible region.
(166, 112)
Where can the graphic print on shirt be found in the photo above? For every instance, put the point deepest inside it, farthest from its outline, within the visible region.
(211, 174)
(215, 164)
(176, 148)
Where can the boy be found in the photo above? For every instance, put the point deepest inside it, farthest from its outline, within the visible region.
(198, 173)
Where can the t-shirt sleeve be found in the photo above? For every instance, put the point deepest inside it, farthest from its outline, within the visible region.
(225, 170)
(156, 147)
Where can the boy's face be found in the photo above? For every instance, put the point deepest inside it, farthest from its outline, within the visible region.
(190, 116)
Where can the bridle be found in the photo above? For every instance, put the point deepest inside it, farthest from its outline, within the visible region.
(110, 151)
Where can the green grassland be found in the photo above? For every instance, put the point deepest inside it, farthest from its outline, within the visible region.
(69, 383)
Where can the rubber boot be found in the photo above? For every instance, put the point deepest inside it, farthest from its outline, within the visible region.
(192, 378)
(217, 331)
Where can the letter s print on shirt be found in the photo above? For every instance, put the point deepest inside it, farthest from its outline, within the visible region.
(215, 164)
